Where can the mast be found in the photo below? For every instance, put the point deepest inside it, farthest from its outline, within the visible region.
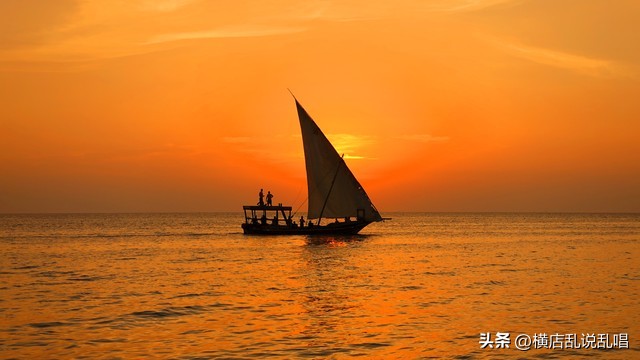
(329, 193)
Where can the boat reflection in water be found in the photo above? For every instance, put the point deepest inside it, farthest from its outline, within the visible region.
(333, 289)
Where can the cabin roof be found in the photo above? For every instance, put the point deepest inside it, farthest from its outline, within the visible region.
(258, 207)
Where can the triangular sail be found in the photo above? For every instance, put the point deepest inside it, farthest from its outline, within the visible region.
(327, 174)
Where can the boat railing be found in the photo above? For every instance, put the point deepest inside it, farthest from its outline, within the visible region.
(267, 214)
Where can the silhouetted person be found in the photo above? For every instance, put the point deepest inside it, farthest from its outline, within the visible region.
(301, 221)
(261, 198)
(263, 219)
(269, 198)
(275, 220)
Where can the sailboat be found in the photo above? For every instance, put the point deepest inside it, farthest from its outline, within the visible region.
(334, 194)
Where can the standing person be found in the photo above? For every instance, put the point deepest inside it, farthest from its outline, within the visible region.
(261, 198)
(269, 198)
(301, 221)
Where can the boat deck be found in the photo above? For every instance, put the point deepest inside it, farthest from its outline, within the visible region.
(343, 228)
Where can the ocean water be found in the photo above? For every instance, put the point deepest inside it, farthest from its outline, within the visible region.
(192, 286)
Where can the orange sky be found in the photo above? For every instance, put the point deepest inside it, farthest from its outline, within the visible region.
(445, 105)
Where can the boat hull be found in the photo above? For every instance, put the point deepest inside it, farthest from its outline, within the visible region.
(350, 228)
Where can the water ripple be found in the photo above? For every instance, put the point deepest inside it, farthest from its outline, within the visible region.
(190, 286)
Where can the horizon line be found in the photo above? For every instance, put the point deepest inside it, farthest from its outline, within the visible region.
(386, 212)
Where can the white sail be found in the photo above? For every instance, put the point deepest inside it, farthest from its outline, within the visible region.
(333, 190)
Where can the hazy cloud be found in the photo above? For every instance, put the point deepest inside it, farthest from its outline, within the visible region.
(264, 148)
(81, 30)
(464, 5)
(236, 139)
(165, 5)
(228, 32)
(425, 138)
(351, 10)
(28, 23)
(577, 63)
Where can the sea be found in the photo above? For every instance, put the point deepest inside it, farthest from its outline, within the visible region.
(418, 286)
